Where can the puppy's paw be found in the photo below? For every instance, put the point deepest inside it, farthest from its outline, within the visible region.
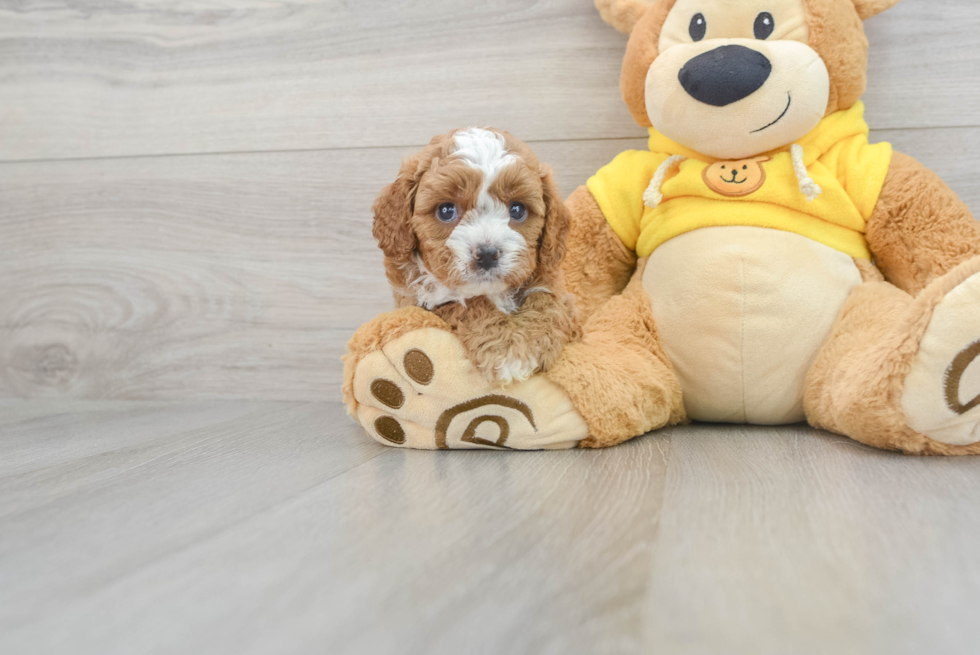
(515, 369)
(503, 364)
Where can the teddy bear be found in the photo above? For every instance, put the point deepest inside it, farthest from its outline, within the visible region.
(759, 263)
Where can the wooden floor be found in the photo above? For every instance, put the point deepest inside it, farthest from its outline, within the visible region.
(186, 188)
(243, 527)
(185, 247)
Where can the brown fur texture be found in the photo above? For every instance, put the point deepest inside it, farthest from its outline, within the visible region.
(622, 14)
(855, 387)
(375, 335)
(407, 230)
(618, 376)
(642, 49)
(539, 330)
(597, 265)
(920, 229)
(837, 34)
(393, 210)
(868, 8)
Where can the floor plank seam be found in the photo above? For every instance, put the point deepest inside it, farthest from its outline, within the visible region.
(401, 146)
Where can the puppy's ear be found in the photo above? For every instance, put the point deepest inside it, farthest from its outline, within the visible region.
(393, 213)
(868, 8)
(557, 223)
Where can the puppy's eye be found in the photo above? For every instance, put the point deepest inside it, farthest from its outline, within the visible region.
(764, 25)
(518, 212)
(699, 27)
(447, 212)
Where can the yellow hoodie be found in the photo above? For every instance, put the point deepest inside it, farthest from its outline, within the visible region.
(836, 156)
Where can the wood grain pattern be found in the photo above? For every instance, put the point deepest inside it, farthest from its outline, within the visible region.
(128, 77)
(287, 530)
(34, 442)
(796, 541)
(61, 518)
(229, 276)
(297, 517)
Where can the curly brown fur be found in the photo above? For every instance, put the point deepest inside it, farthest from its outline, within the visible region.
(518, 321)
(535, 335)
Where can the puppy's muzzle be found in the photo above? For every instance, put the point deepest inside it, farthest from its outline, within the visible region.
(725, 75)
(486, 258)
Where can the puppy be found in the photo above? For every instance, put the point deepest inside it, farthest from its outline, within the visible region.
(474, 230)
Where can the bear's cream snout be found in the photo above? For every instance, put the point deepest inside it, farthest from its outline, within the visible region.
(765, 107)
(733, 80)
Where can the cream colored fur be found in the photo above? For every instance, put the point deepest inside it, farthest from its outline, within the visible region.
(742, 312)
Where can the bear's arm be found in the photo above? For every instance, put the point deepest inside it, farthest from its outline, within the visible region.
(920, 229)
(597, 265)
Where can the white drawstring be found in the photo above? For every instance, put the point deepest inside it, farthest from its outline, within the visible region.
(653, 197)
(808, 187)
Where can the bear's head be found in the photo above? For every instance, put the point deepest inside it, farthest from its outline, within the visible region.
(736, 78)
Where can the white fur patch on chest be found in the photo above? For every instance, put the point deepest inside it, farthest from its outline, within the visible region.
(431, 293)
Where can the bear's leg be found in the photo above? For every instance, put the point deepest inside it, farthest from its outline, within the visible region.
(409, 383)
(618, 376)
(903, 373)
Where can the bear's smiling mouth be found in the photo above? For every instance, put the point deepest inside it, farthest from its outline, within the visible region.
(785, 111)
(734, 179)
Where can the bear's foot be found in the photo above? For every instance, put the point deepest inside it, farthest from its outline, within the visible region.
(419, 390)
(941, 398)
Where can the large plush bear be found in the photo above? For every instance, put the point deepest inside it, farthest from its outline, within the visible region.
(760, 263)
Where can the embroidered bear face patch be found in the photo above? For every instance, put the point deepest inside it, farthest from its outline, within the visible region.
(736, 178)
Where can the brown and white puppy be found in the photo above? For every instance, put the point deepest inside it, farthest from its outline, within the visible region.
(474, 230)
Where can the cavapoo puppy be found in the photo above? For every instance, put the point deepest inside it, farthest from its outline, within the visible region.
(474, 230)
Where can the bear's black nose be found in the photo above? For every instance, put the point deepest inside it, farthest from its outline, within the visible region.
(725, 75)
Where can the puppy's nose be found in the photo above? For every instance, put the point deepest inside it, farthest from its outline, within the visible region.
(725, 75)
(486, 257)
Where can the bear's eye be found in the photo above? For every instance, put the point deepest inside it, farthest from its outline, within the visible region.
(447, 212)
(764, 26)
(699, 27)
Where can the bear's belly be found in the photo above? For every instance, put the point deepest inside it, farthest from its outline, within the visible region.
(743, 312)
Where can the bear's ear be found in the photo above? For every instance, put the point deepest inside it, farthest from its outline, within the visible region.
(622, 14)
(868, 8)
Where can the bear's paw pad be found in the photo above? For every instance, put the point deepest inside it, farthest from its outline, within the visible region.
(942, 392)
(420, 391)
